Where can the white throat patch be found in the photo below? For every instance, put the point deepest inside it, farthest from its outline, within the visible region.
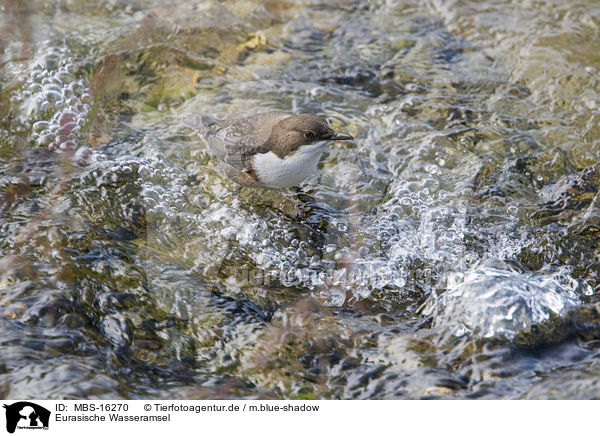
(290, 171)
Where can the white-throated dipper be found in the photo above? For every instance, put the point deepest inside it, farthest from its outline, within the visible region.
(269, 150)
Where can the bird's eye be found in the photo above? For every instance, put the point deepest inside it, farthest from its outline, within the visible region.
(309, 135)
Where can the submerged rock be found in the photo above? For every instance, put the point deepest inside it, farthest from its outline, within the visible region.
(495, 300)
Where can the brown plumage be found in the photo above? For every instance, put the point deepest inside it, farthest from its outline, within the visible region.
(235, 145)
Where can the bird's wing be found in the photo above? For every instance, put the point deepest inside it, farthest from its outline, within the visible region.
(236, 141)
(230, 145)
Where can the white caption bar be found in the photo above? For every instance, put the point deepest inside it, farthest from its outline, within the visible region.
(288, 417)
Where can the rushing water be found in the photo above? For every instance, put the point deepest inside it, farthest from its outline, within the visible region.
(450, 250)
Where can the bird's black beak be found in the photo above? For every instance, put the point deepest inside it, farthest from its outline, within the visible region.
(340, 136)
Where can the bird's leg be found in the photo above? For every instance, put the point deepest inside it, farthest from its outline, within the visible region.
(305, 202)
(312, 221)
(307, 205)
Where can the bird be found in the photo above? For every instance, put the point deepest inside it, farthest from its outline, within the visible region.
(268, 150)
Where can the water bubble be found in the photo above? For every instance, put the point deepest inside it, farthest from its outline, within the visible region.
(65, 77)
(66, 94)
(46, 139)
(39, 126)
(67, 145)
(317, 92)
(65, 131)
(44, 106)
(51, 61)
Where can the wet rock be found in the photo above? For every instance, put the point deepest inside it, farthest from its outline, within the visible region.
(492, 299)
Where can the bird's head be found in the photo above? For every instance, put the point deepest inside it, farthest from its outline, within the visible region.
(301, 132)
